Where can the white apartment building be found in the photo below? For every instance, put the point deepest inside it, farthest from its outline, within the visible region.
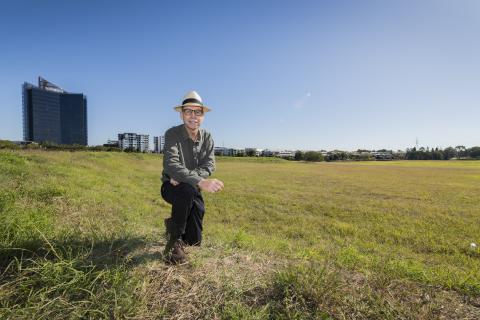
(133, 141)
(158, 144)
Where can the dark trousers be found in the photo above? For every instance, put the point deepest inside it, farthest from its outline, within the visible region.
(188, 209)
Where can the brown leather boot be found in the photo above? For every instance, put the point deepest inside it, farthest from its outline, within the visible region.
(174, 251)
(178, 253)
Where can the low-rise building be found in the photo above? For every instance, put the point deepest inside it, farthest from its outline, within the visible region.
(268, 153)
(287, 154)
(382, 155)
(111, 143)
(223, 152)
(253, 152)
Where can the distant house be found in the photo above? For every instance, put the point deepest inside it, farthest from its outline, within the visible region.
(111, 143)
(382, 155)
(269, 153)
(287, 154)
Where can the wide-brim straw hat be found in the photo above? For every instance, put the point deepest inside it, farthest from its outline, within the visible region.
(192, 99)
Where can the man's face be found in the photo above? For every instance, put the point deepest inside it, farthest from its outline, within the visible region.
(192, 117)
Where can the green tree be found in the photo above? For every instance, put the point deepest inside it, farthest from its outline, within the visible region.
(298, 155)
(313, 156)
(449, 153)
(474, 152)
(461, 151)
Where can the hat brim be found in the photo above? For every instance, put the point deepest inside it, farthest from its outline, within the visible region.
(192, 104)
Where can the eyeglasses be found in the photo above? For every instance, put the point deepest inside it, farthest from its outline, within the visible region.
(189, 112)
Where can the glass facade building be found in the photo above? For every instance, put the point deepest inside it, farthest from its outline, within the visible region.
(50, 114)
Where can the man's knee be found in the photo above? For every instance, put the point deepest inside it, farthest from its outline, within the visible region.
(186, 190)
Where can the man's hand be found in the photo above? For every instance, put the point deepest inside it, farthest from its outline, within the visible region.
(174, 182)
(211, 185)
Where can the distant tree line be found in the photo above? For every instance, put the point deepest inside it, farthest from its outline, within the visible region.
(459, 152)
(339, 155)
(317, 156)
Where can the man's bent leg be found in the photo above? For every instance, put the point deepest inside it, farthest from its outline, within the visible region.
(181, 198)
(193, 230)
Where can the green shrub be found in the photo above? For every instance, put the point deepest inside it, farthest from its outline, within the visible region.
(313, 156)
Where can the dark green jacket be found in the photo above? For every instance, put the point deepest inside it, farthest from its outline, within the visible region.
(185, 160)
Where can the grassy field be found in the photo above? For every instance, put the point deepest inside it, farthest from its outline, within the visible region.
(81, 235)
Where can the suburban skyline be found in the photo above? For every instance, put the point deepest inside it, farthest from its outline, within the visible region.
(308, 75)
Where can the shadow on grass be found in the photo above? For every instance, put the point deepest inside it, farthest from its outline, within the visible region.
(72, 278)
(123, 251)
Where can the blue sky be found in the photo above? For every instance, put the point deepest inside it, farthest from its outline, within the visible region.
(277, 74)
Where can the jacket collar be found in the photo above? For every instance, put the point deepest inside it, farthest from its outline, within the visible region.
(185, 135)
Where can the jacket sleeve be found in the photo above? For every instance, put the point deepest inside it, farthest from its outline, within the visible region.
(172, 165)
(207, 165)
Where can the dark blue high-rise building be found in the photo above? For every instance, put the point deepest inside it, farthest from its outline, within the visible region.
(50, 114)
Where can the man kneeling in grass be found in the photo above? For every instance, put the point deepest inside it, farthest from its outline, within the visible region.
(187, 163)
